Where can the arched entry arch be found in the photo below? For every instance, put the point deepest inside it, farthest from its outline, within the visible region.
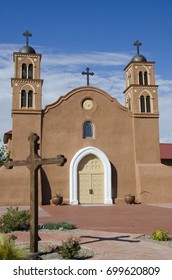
(107, 181)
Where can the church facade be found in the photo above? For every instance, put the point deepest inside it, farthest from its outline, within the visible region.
(111, 150)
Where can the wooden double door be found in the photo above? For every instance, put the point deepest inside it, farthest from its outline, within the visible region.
(90, 180)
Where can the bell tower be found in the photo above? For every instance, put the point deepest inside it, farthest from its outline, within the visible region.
(26, 98)
(141, 91)
(141, 99)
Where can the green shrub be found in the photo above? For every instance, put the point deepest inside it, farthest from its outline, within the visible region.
(2, 154)
(69, 248)
(59, 225)
(10, 251)
(160, 235)
(14, 220)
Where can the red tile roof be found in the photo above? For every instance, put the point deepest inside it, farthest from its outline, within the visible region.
(9, 132)
(166, 151)
(7, 136)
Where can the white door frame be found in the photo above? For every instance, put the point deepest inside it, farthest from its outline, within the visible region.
(74, 174)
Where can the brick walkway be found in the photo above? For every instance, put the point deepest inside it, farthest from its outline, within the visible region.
(112, 232)
(142, 219)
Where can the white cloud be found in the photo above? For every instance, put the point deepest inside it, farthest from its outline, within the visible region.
(62, 72)
(165, 108)
(93, 58)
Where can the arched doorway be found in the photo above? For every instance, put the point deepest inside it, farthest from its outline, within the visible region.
(94, 156)
(90, 180)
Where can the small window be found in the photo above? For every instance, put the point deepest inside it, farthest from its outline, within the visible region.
(148, 107)
(23, 98)
(146, 78)
(140, 78)
(30, 98)
(24, 71)
(30, 71)
(145, 104)
(142, 104)
(87, 130)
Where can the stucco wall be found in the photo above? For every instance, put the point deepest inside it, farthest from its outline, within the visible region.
(155, 183)
(14, 186)
(62, 133)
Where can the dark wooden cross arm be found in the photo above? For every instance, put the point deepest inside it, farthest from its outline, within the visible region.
(60, 160)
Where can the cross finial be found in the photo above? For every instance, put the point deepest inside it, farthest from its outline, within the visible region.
(87, 73)
(27, 34)
(138, 44)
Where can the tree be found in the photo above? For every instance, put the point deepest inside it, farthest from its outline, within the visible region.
(2, 154)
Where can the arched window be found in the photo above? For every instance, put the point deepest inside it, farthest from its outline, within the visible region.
(142, 104)
(24, 71)
(148, 106)
(145, 104)
(146, 78)
(23, 98)
(140, 78)
(30, 71)
(143, 78)
(88, 130)
(30, 98)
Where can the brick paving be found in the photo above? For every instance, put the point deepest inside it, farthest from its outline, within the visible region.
(112, 232)
(137, 218)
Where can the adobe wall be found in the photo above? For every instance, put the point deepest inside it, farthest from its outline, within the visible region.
(23, 126)
(146, 135)
(155, 183)
(15, 186)
(62, 134)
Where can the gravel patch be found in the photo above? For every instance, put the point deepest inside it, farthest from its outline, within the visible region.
(148, 238)
(49, 251)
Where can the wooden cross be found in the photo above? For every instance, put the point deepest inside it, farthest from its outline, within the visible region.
(138, 44)
(88, 74)
(27, 34)
(33, 163)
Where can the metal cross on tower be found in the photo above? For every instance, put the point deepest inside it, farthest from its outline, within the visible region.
(88, 74)
(27, 34)
(137, 44)
(33, 163)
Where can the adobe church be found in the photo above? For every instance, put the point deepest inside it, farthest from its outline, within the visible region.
(111, 150)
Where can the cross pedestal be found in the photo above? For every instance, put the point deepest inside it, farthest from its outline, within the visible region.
(33, 163)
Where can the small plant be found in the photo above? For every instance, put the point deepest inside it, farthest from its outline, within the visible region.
(9, 251)
(69, 248)
(14, 219)
(59, 225)
(58, 195)
(160, 235)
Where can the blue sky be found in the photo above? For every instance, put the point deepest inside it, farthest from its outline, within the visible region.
(75, 34)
